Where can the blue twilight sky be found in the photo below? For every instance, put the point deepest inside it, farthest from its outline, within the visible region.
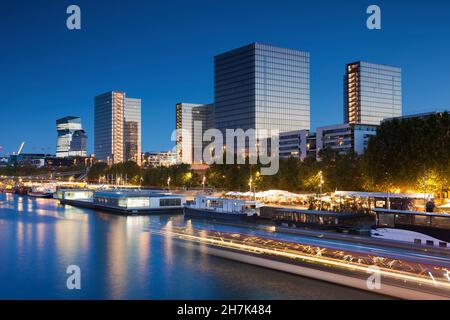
(162, 52)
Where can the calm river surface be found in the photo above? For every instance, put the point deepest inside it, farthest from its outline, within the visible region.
(120, 259)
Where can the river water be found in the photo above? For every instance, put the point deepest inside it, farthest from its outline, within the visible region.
(120, 259)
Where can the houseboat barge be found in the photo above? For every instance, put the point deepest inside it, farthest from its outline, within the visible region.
(123, 202)
(422, 228)
(206, 207)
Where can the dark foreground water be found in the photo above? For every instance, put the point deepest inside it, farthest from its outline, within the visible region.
(120, 259)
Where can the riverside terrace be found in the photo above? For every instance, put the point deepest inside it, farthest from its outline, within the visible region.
(124, 202)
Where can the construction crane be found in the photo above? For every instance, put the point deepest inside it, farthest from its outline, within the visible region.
(20, 149)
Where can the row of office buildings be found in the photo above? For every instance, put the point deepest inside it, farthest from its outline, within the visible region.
(117, 134)
(257, 86)
(264, 87)
(117, 130)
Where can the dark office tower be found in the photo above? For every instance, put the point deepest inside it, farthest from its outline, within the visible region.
(132, 130)
(262, 87)
(372, 92)
(71, 138)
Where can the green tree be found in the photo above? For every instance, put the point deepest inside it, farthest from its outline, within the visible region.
(404, 150)
(96, 171)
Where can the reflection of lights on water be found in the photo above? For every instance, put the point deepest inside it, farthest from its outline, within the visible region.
(313, 254)
(30, 206)
(434, 280)
(134, 221)
(447, 274)
(189, 227)
(40, 235)
(43, 212)
(203, 234)
(169, 242)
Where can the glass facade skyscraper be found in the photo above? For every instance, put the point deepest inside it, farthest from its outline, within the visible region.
(117, 128)
(373, 92)
(260, 86)
(132, 130)
(71, 138)
(187, 114)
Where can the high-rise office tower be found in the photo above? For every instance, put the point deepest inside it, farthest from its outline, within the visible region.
(132, 130)
(192, 120)
(373, 92)
(71, 138)
(260, 86)
(117, 128)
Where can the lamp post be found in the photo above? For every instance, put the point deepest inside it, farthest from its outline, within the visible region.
(425, 189)
(258, 175)
(251, 184)
(321, 188)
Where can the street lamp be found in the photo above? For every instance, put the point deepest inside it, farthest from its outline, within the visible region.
(250, 184)
(168, 183)
(258, 178)
(321, 188)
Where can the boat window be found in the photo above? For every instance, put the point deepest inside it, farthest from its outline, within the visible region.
(441, 222)
(325, 220)
(421, 220)
(380, 204)
(122, 202)
(403, 218)
(138, 202)
(214, 203)
(302, 218)
(386, 220)
(175, 202)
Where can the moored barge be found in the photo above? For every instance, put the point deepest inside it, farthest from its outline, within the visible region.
(206, 207)
(124, 202)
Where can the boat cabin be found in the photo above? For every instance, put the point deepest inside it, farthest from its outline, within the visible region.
(318, 219)
(420, 227)
(223, 205)
(137, 200)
